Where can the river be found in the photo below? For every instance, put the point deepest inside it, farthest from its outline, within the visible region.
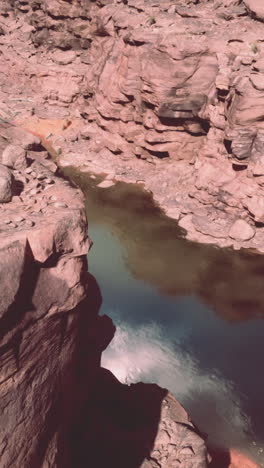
(189, 317)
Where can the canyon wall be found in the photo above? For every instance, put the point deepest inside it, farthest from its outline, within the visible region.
(58, 407)
(166, 94)
(51, 337)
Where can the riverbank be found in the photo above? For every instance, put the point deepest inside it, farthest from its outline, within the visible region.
(174, 328)
(165, 96)
(52, 336)
(181, 117)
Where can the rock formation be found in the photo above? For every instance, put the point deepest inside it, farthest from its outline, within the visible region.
(168, 94)
(52, 388)
(50, 335)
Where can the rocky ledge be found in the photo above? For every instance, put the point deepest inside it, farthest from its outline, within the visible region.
(166, 94)
(51, 337)
(159, 93)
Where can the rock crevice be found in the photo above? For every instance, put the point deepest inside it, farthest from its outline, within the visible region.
(141, 91)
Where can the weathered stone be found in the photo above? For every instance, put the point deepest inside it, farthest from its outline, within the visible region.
(64, 58)
(14, 157)
(6, 184)
(257, 81)
(241, 230)
(259, 65)
(12, 270)
(255, 205)
(256, 8)
(106, 184)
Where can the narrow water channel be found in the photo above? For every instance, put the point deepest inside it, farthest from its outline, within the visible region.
(189, 317)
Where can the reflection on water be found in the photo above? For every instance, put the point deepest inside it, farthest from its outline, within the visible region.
(188, 317)
(146, 354)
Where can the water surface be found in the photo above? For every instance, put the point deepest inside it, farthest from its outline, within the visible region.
(188, 317)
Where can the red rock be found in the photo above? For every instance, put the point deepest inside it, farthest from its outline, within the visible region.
(256, 8)
(239, 460)
(6, 184)
(15, 157)
(241, 231)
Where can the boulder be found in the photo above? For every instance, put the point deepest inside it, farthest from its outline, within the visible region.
(12, 269)
(255, 206)
(14, 156)
(241, 231)
(6, 179)
(255, 8)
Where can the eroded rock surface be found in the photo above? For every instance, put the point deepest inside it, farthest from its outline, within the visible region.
(167, 94)
(164, 94)
(51, 338)
(148, 427)
(50, 335)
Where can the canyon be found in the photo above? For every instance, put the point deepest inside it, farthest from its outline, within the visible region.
(166, 95)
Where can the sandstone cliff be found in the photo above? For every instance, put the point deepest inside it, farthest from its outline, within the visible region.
(58, 407)
(168, 94)
(50, 335)
(165, 94)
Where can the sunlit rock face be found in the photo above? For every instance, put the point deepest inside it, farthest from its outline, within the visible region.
(169, 94)
(51, 339)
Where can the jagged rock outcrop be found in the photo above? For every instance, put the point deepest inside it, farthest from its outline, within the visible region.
(148, 427)
(256, 8)
(165, 94)
(54, 396)
(50, 335)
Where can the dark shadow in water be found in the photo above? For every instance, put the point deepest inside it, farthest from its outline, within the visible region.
(71, 388)
(230, 282)
(93, 336)
(220, 459)
(119, 424)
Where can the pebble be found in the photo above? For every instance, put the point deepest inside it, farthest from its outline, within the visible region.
(19, 219)
(7, 221)
(60, 205)
(34, 192)
(53, 198)
(49, 181)
(29, 222)
(187, 451)
(28, 170)
(241, 230)
(36, 211)
(106, 184)
(41, 176)
(247, 60)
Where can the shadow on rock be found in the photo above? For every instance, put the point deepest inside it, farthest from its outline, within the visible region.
(220, 459)
(119, 424)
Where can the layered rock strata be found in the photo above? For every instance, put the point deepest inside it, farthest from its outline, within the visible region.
(164, 94)
(50, 335)
(168, 95)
